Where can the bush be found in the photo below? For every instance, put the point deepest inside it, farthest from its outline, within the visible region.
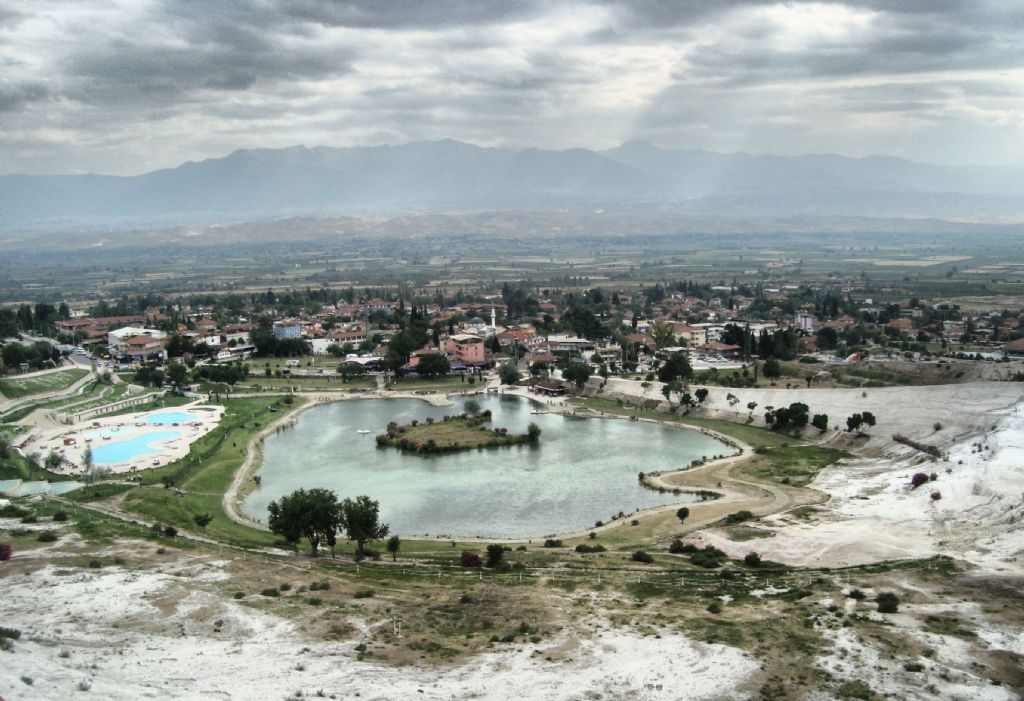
(170, 531)
(6, 552)
(641, 556)
(676, 547)
(584, 548)
(857, 595)
(60, 516)
(752, 559)
(738, 517)
(284, 587)
(470, 559)
(710, 557)
(552, 543)
(10, 633)
(95, 564)
(714, 607)
(888, 602)
(494, 554)
(30, 518)
(239, 594)
(918, 479)
(364, 594)
(13, 511)
(271, 591)
(47, 537)
(936, 495)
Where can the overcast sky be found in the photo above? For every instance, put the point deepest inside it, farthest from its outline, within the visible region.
(127, 86)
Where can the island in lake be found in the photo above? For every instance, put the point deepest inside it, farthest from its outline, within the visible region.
(451, 434)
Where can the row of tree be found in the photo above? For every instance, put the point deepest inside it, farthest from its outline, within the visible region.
(318, 516)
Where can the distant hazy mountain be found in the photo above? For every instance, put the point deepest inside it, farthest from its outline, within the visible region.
(453, 176)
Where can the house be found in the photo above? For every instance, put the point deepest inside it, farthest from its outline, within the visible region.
(145, 348)
(725, 350)
(1014, 349)
(550, 388)
(693, 335)
(466, 349)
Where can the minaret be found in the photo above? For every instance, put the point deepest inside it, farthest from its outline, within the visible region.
(494, 318)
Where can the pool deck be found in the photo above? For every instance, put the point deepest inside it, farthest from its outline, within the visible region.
(127, 427)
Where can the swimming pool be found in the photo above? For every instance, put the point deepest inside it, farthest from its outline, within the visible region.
(170, 417)
(123, 451)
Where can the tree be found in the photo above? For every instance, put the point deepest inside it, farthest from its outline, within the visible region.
(662, 333)
(701, 394)
(202, 520)
(508, 374)
(53, 461)
(868, 418)
(494, 554)
(533, 432)
(349, 370)
(471, 406)
(312, 514)
(394, 543)
(87, 464)
(677, 366)
(772, 369)
(820, 422)
(360, 517)
(683, 513)
(433, 365)
(752, 559)
(577, 373)
(177, 375)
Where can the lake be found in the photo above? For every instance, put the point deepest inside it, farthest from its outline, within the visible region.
(582, 471)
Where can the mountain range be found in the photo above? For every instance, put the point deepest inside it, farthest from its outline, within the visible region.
(452, 176)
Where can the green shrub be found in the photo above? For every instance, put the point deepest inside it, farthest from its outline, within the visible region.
(271, 591)
(364, 594)
(641, 556)
(738, 517)
(552, 543)
(888, 602)
(47, 537)
(60, 516)
(714, 607)
(752, 559)
(239, 594)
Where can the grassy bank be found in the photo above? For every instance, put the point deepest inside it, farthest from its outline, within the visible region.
(751, 435)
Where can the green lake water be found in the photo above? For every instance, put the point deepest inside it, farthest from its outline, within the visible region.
(582, 471)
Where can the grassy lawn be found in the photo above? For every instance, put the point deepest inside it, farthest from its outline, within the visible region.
(751, 435)
(13, 388)
(205, 475)
(795, 465)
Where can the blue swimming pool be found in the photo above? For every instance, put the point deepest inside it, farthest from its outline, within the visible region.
(166, 418)
(123, 451)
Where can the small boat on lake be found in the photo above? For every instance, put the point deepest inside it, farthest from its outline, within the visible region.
(363, 431)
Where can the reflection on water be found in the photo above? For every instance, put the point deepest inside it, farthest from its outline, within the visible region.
(584, 470)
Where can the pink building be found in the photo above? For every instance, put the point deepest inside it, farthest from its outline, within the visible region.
(466, 349)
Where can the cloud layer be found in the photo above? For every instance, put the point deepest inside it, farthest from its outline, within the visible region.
(126, 87)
